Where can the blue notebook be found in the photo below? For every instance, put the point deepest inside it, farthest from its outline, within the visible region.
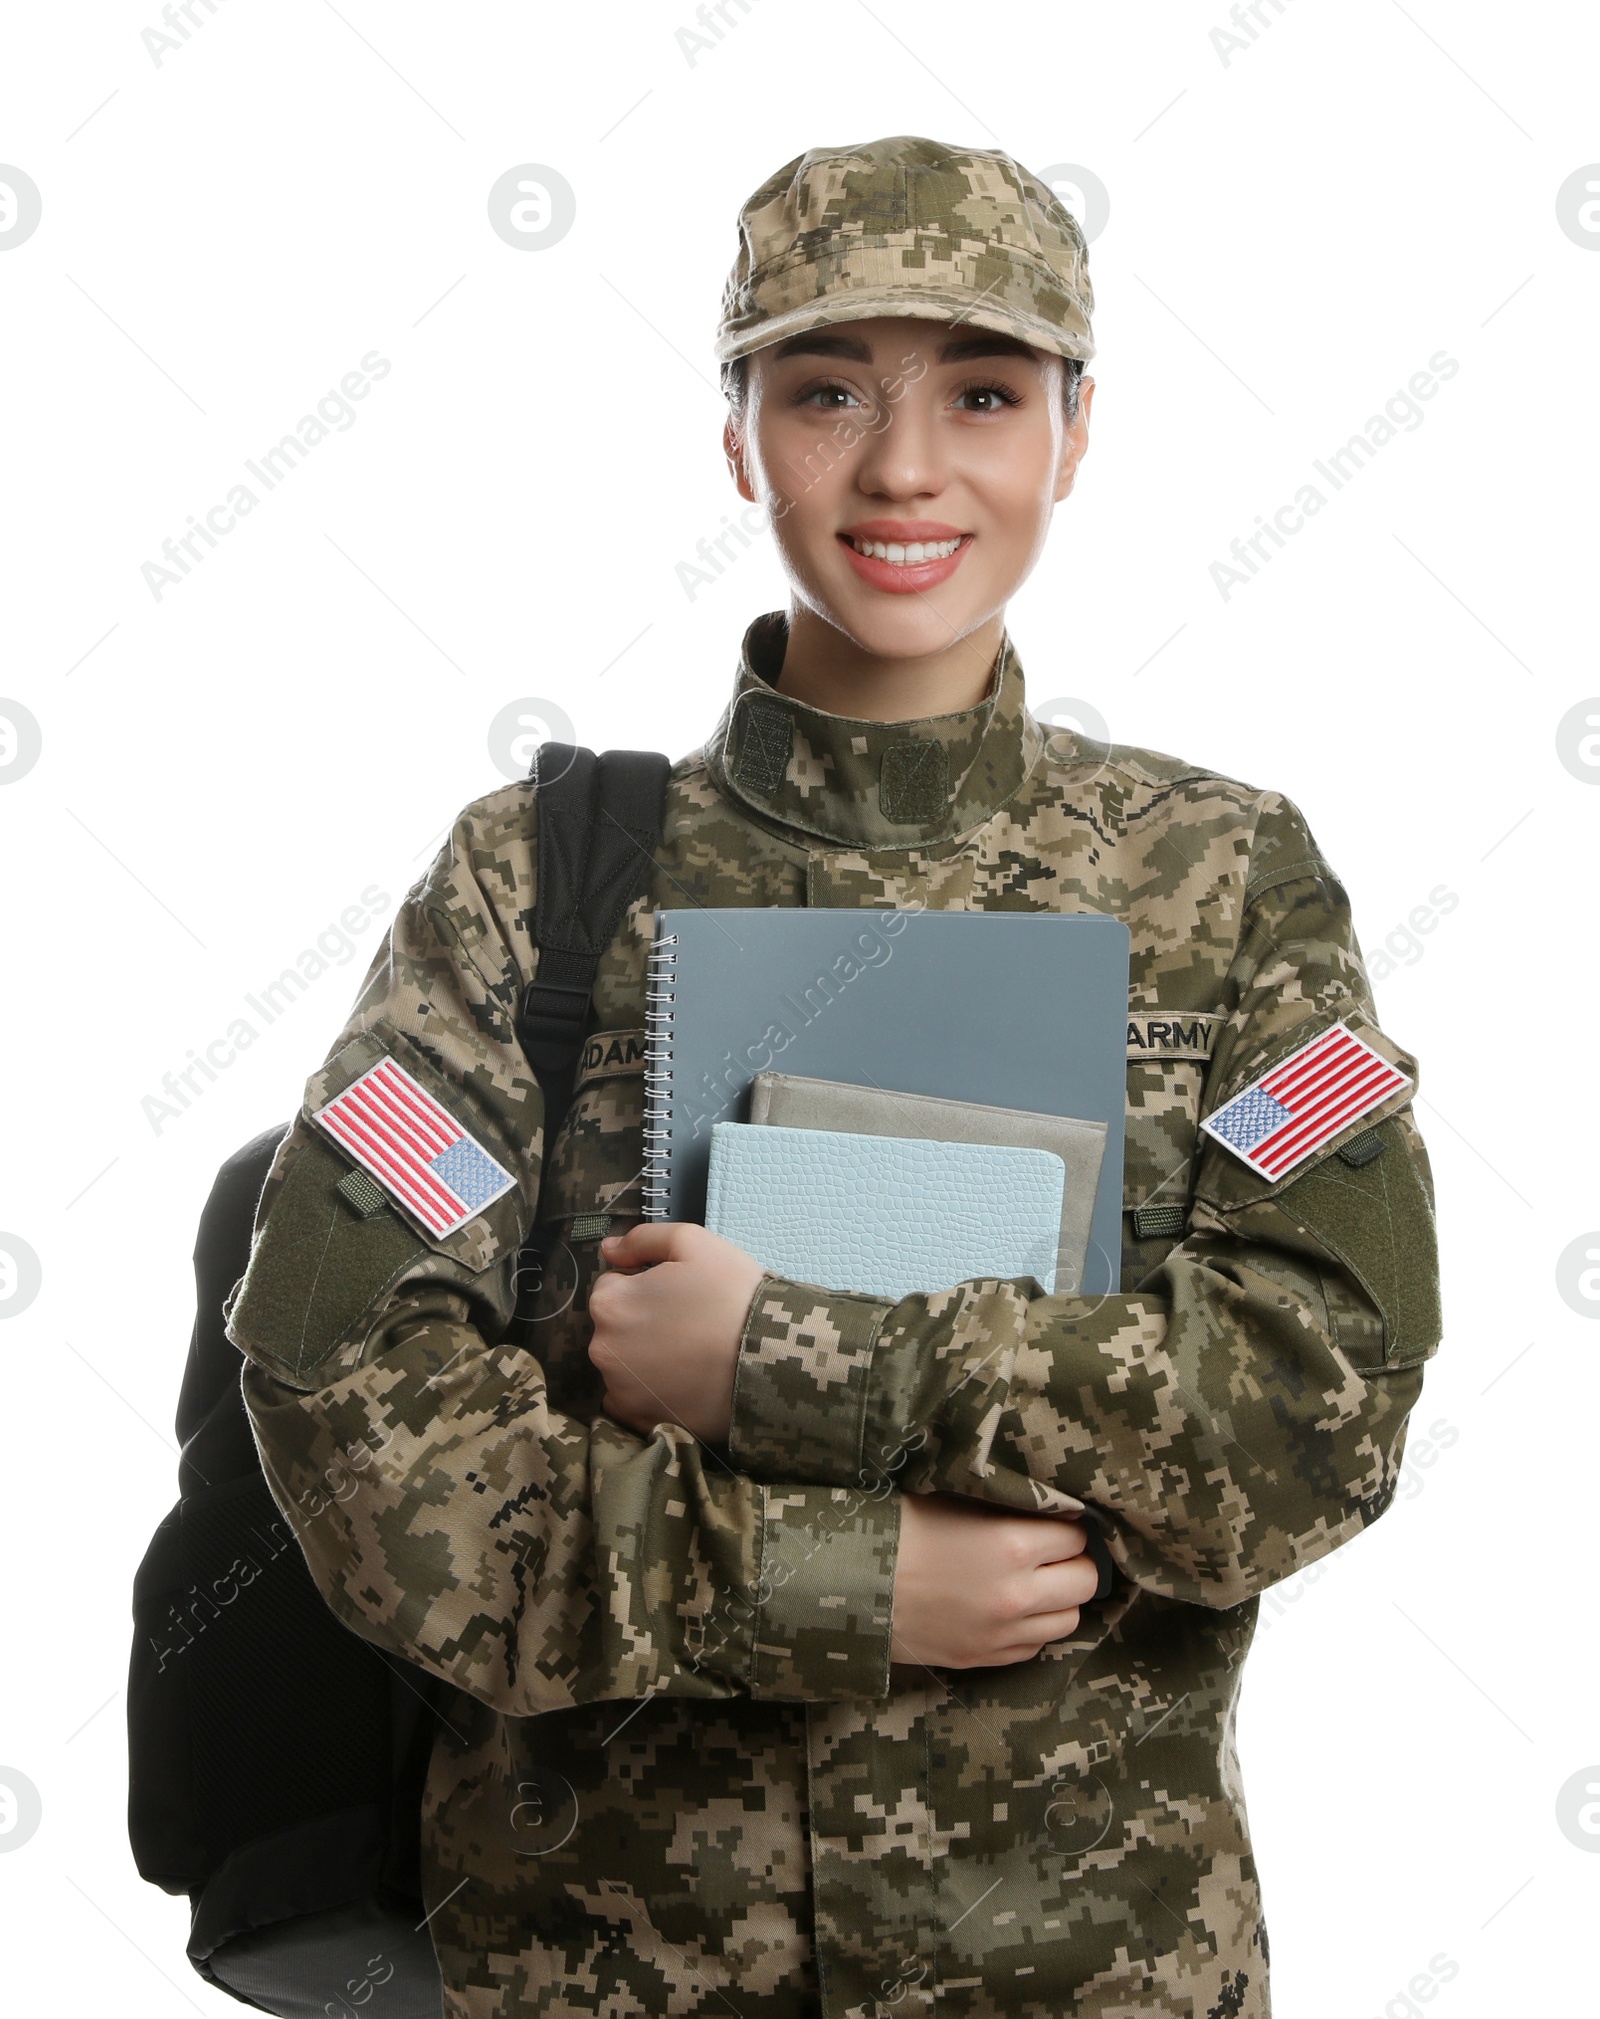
(1016, 1009)
(885, 1215)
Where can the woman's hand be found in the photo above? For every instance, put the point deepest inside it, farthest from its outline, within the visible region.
(978, 1587)
(669, 1311)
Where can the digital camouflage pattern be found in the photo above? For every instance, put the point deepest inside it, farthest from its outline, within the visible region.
(677, 1773)
(905, 226)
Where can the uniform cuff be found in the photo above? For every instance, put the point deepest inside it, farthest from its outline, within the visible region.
(825, 1600)
(800, 1384)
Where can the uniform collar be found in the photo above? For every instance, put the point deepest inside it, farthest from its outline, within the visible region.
(877, 784)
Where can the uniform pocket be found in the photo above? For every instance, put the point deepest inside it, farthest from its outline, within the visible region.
(503, 1219)
(336, 1236)
(594, 1181)
(1363, 1192)
(1226, 1178)
(592, 1187)
(318, 1266)
(1163, 1115)
(1377, 1219)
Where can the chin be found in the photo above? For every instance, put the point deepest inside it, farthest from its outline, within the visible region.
(889, 640)
(892, 626)
(906, 627)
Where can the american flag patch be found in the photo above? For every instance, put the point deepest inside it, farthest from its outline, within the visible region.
(415, 1148)
(1306, 1098)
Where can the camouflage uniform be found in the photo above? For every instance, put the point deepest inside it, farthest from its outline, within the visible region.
(677, 1774)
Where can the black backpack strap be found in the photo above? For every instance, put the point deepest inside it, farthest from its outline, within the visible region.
(599, 822)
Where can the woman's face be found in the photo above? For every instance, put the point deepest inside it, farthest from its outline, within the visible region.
(868, 439)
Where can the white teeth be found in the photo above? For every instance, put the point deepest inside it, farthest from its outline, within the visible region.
(906, 556)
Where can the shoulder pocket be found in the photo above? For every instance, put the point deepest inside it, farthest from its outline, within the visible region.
(1267, 1147)
(1377, 1219)
(467, 1168)
(337, 1232)
(1364, 1192)
(317, 1267)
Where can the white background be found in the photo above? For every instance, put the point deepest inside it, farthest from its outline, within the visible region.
(1294, 231)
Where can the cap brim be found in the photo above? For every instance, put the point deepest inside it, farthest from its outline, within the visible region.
(925, 306)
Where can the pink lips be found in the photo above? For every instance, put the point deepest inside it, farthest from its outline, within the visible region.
(903, 580)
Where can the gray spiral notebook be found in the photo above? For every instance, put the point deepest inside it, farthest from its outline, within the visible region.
(1014, 1009)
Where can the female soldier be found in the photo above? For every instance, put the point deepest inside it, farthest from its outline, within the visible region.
(787, 1684)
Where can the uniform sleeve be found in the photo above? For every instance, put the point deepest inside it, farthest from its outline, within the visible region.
(1237, 1414)
(446, 1509)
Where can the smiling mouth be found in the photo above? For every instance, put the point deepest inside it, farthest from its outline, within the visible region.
(908, 554)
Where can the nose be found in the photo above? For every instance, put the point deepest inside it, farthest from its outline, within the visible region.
(902, 457)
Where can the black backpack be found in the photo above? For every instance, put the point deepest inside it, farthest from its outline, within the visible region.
(276, 1759)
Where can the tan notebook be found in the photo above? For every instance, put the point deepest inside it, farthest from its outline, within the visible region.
(784, 1100)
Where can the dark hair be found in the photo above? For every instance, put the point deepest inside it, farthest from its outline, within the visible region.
(736, 385)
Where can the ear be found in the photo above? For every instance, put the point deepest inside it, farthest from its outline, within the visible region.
(1074, 441)
(733, 450)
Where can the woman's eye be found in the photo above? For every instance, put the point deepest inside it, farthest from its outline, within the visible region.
(994, 399)
(830, 397)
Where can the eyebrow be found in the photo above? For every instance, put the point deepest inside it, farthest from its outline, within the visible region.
(838, 343)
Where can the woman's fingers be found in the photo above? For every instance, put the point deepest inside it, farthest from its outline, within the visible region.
(978, 1585)
(1054, 1538)
(649, 1242)
(1053, 1587)
(1059, 1626)
(1048, 1626)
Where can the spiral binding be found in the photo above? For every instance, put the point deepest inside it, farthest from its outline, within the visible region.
(661, 973)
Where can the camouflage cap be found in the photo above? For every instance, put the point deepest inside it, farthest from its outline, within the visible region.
(905, 226)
